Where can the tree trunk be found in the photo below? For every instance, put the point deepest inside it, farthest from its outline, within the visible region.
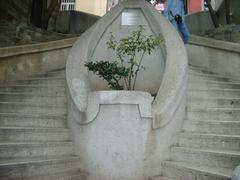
(212, 13)
(41, 14)
(37, 12)
(227, 10)
(185, 6)
(48, 12)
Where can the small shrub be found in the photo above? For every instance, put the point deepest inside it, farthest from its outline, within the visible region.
(128, 67)
(109, 71)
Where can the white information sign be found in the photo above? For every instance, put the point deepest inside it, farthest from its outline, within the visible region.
(132, 17)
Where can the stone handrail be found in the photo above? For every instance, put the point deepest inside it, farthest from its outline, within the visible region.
(216, 44)
(38, 47)
(226, 59)
(76, 73)
(20, 62)
(97, 98)
(173, 86)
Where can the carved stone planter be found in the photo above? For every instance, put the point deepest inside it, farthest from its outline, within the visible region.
(126, 134)
(116, 140)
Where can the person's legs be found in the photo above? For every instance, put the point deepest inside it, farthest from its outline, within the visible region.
(174, 23)
(182, 28)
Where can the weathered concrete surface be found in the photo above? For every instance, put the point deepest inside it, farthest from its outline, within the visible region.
(120, 143)
(123, 122)
(216, 56)
(18, 62)
(199, 23)
(208, 146)
(34, 139)
(119, 124)
(236, 174)
(160, 178)
(95, 99)
(74, 22)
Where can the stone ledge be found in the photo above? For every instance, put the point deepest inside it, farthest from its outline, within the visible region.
(142, 99)
(213, 43)
(35, 48)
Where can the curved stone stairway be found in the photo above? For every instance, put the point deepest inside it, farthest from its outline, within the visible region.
(34, 139)
(209, 145)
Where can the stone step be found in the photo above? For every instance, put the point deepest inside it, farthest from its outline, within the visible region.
(56, 90)
(205, 84)
(16, 107)
(6, 30)
(54, 74)
(40, 104)
(69, 175)
(214, 93)
(206, 157)
(204, 72)
(186, 171)
(201, 70)
(59, 70)
(222, 114)
(193, 76)
(32, 120)
(38, 81)
(30, 134)
(35, 149)
(160, 178)
(212, 127)
(33, 78)
(213, 102)
(23, 168)
(32, 98)
(211, 141)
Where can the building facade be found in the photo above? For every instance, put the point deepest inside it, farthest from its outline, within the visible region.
(96, 7)
(100, 7)
(199, 5)
(67, 5)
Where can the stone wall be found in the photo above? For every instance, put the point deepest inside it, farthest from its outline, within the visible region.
(15, 32)
(201, 22)
(19, 62)
(12, 13)
(234, 9)
(74, 22)
(18, 10)
(216, 56)
(15, 27)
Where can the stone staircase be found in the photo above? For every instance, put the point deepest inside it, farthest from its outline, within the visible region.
(209, 145)
(34, 139)
(35, 144)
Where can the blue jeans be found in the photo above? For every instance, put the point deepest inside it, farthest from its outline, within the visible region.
(182, 29)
